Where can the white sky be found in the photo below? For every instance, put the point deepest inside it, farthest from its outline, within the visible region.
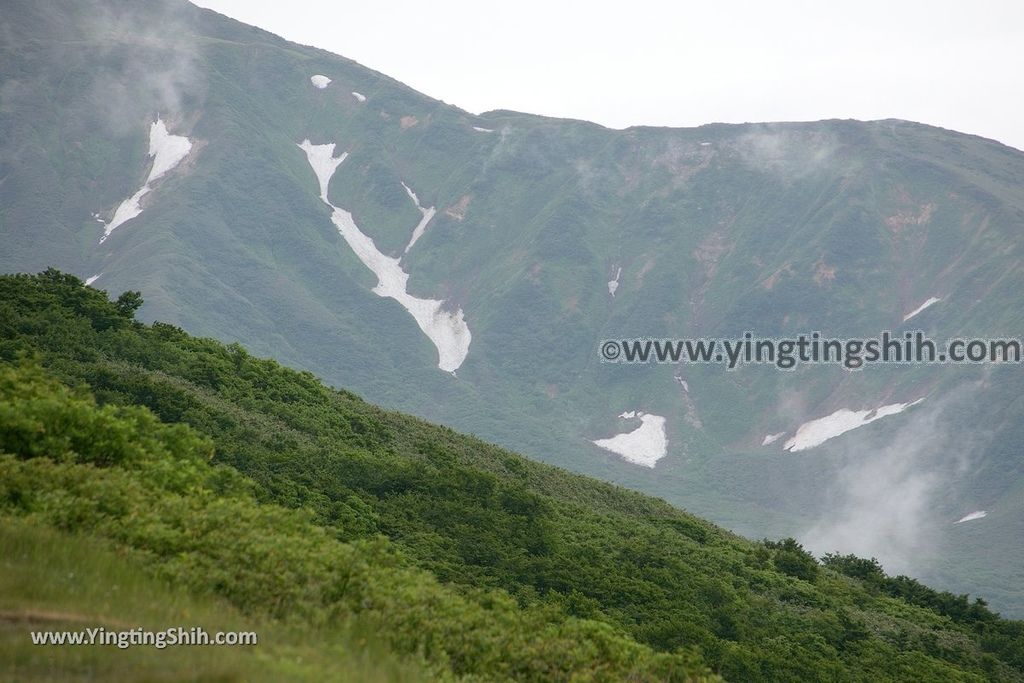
(956, 64)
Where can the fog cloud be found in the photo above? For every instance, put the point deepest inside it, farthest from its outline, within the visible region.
(888, 499)
(149, 62)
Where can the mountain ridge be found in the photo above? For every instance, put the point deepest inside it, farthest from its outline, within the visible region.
(531, 224)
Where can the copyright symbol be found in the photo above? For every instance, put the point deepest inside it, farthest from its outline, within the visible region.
(610, 351)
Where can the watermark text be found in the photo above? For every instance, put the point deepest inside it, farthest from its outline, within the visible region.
(811, 349)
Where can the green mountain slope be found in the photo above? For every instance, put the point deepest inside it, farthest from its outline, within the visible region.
(59, 581)
(475, 559)
(837, 226)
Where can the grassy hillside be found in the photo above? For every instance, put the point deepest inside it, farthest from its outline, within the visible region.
(119, 474)
(320, 508)
(837, 226)
(51, 579)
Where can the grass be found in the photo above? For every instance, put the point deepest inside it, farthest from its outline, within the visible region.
(51, 580)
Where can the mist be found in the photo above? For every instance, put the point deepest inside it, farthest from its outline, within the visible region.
(889, 499)
(130, 65)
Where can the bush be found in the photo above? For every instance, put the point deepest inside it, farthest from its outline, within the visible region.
(791, 558)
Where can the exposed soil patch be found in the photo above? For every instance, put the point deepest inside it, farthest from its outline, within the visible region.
(823, 272)
(901, 219)
(458, 209)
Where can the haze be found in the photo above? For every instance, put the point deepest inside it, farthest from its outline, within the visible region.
(950, 64)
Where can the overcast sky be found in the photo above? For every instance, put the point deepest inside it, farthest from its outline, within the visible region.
(955, 64)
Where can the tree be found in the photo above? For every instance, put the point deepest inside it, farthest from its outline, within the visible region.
(128, 303)
(791, 558)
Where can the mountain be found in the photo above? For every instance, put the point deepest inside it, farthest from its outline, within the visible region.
(466, 268)
(138, 462)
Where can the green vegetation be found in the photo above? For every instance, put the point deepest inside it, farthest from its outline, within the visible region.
(55, 580)
(837, 226)
(149, 487)
(232, 476)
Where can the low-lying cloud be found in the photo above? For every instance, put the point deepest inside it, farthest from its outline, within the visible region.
(889, 498)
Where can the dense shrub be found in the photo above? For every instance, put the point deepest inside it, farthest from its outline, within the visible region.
(470, 520)
(267, 559)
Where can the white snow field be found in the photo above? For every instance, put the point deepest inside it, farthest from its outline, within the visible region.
(422, 226)
(926, 304)
(321, 158)
(126, 210)
(320, 81)
(645, 445)
(478, 129)
(769, 439)
(167, 151)
(817, 432)
(92, 279)
(446, 329)
(613, 284)
(977, 514)
(359, 96)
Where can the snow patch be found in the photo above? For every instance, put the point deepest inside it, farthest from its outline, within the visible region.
(92, 279)
(926, 304)
(359, 96)
(126, 210)
(167, 151)
(613, 284)
(644, 446)
(483, 130)
(321, 158)
(769, 439)
(428, 214)
(977, 514)
(817, 432)
(446, 329)
(683, 383)
(319, 81)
